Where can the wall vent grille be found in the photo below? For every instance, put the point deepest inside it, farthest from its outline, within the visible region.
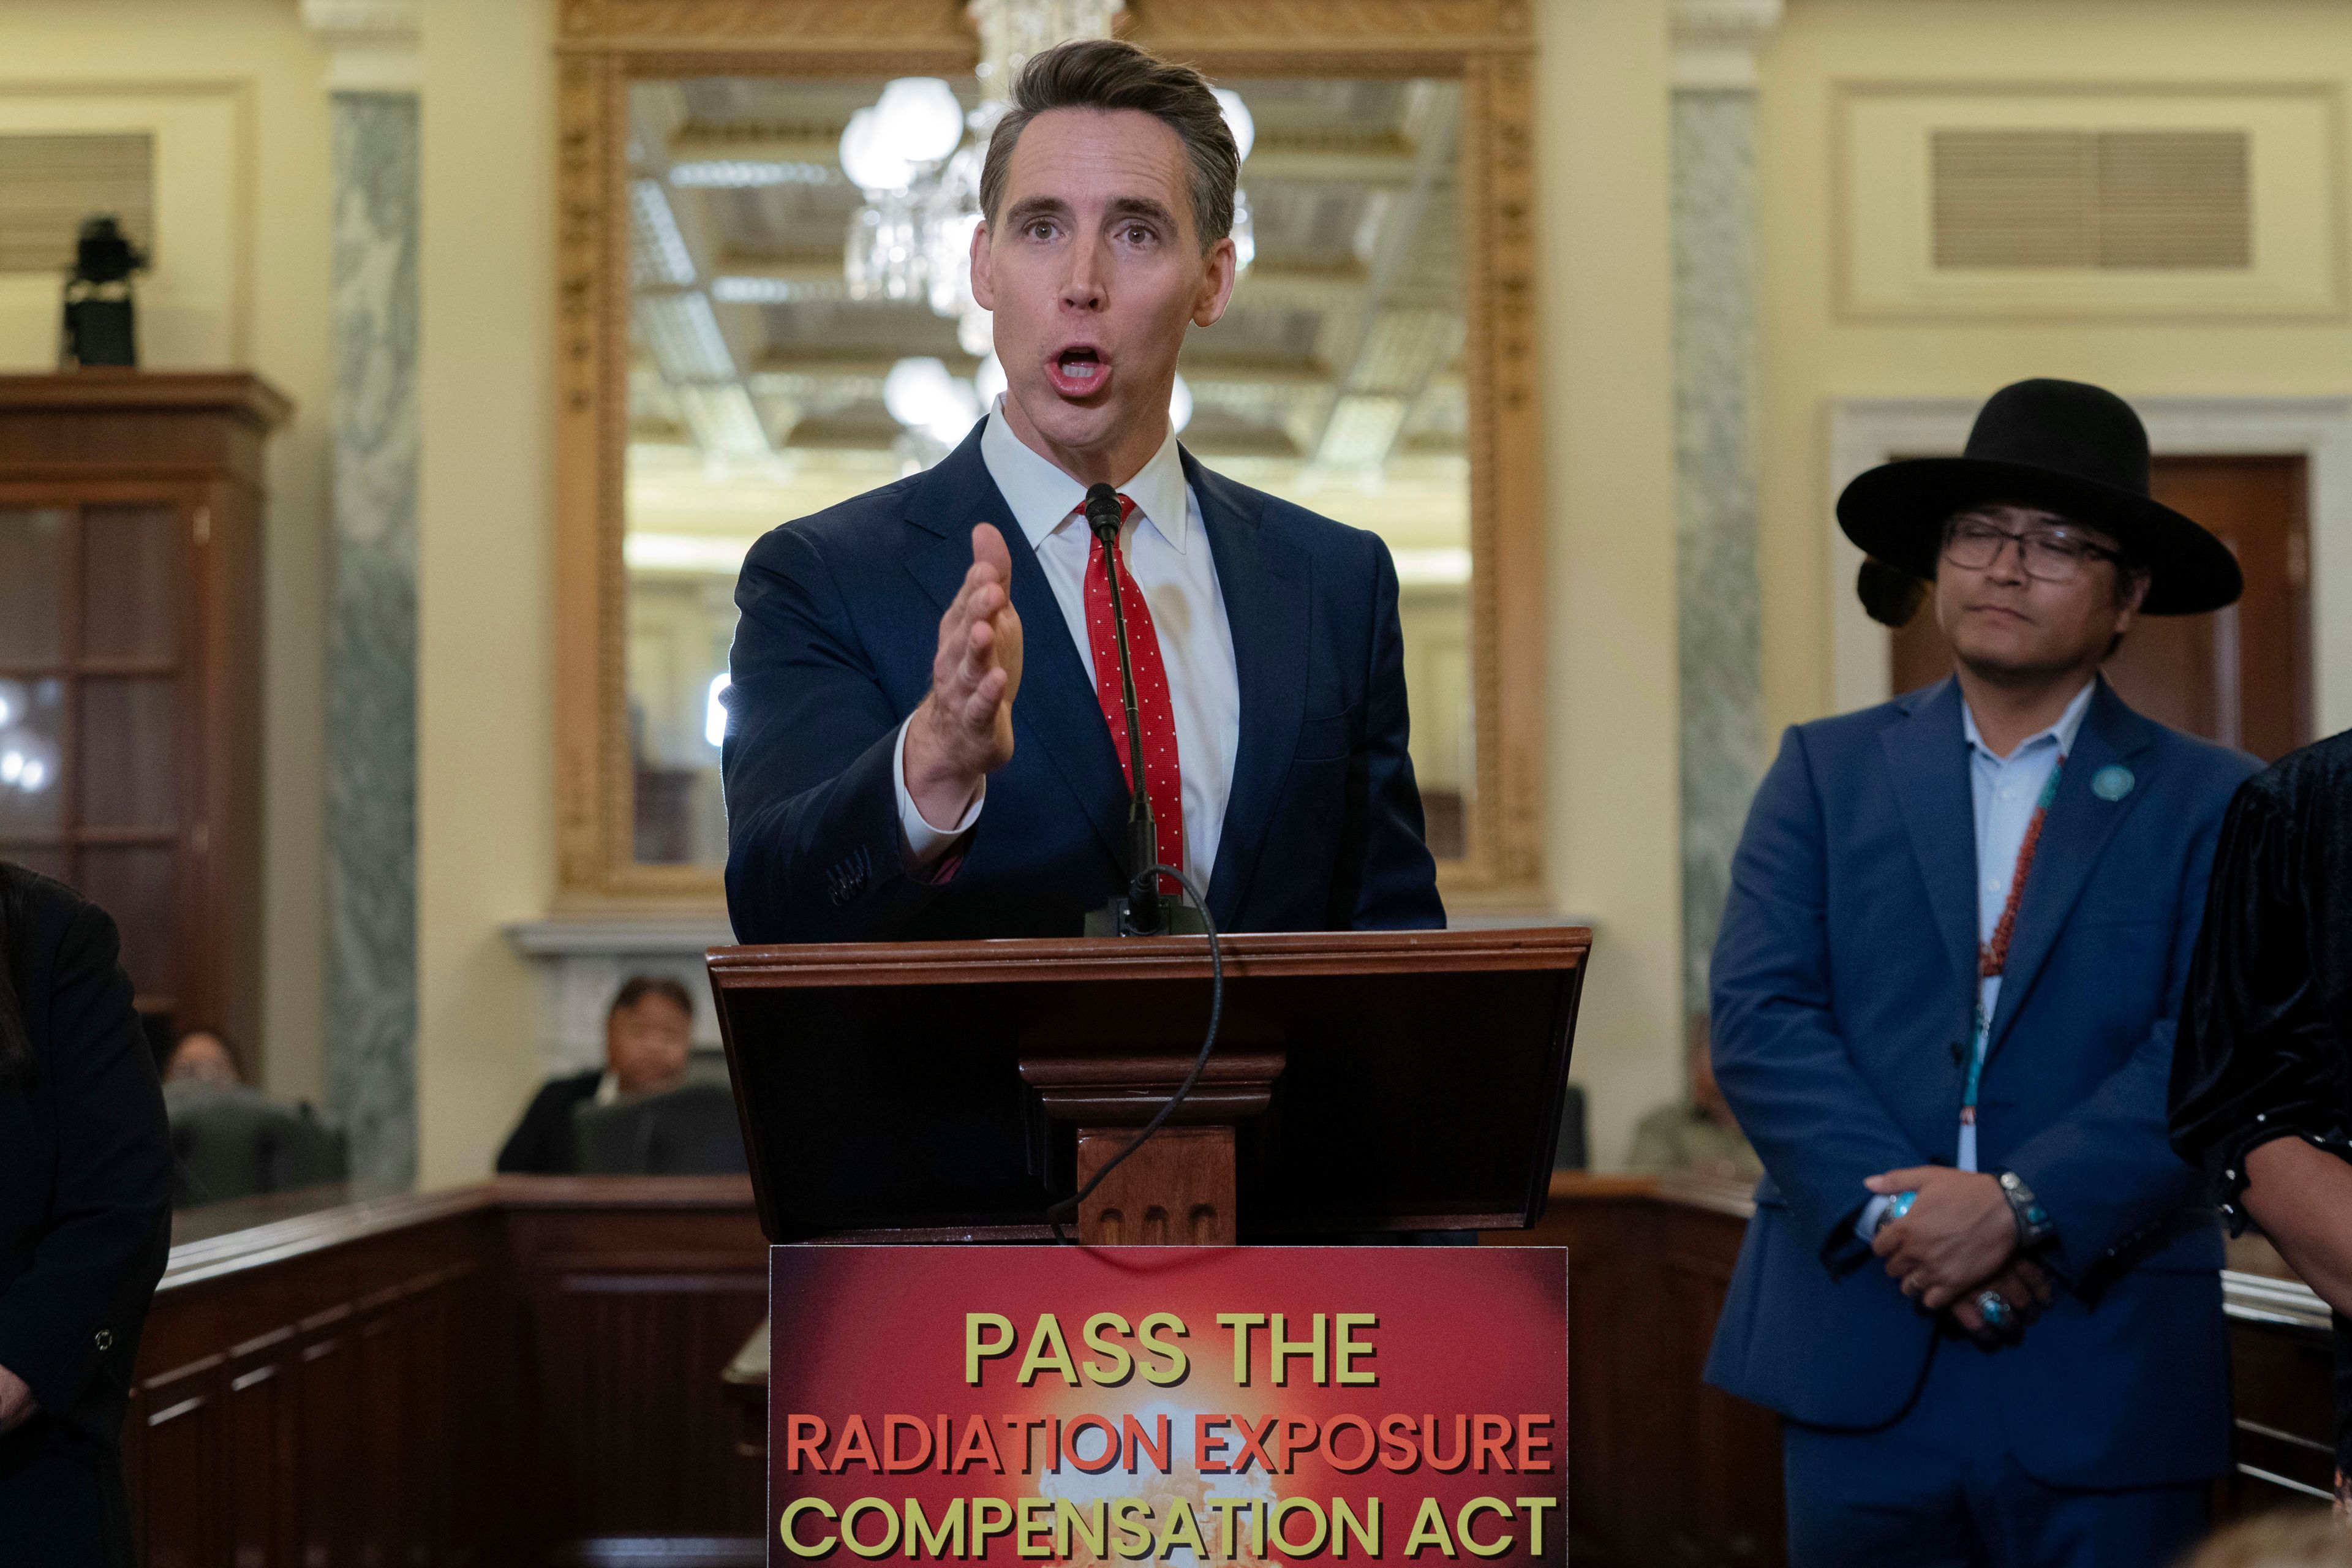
(2092, 200)
(49, 183)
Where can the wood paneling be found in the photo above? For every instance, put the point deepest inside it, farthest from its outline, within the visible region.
(521, 1371)
(631, 1316)
(301, 1445)
(2283, 1367)
(1662, 1470)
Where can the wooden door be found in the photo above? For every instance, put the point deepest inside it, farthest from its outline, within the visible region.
(2241, 676)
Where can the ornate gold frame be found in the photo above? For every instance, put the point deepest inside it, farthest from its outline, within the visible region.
(602, 45)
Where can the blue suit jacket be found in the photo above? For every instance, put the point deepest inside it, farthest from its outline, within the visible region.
(1843, 984)
(840, 623)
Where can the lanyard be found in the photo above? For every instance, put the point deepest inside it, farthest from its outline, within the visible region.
(1992, 957)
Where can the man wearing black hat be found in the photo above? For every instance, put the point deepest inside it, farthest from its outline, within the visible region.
(1979, 1286)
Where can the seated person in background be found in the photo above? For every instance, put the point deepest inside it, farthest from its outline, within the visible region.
(1697, 1134)
(231, 1140)
(202, 1056)
(648, 1034)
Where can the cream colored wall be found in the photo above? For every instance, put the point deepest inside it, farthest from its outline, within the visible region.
(1603, 291)
(486, 825)
(485, 817)
(1810, 356)
(50, 47)
(486, 792)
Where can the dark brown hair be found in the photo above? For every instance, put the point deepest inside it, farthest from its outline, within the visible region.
(1106, 74)
(637, 987)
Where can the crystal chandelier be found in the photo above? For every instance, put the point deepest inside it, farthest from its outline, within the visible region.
(911, 154)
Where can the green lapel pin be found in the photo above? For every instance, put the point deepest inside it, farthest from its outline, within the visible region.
(2113, 781)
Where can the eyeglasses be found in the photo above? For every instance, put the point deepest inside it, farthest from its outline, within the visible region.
(2052, 555)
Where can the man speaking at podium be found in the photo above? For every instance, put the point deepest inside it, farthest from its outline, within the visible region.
(927, 737)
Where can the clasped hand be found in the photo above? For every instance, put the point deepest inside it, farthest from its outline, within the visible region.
(16, 1402)
(1958, 1241)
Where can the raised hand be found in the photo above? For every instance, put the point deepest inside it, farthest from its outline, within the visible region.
(16, 1402)
(963, 730)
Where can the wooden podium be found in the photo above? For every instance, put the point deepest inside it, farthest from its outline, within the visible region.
(1362, 1082)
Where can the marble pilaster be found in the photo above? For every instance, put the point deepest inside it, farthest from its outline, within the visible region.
(372, 643)
(1718, 588)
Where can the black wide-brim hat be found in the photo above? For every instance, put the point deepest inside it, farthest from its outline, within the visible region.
(2056, 445)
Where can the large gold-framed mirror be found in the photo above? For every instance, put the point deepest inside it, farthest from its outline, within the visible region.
(723, 370)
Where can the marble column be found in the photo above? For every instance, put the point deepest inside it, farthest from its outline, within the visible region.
(372, 640)
(1718, 589)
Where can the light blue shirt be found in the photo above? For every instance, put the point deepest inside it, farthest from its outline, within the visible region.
(2005, 790)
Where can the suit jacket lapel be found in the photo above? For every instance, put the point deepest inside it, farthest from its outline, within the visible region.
(1265, 585)
(1928, 755)
(2073, 837)
(1054, 709)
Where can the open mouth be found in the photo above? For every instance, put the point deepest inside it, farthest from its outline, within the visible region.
(1078, 372)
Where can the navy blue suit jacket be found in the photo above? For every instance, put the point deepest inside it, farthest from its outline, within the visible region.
(1845, 981)
(839, 626)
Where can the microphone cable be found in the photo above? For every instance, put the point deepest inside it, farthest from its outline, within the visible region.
(1069, 1206)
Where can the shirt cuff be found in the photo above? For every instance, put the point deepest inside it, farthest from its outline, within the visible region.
(919, 843)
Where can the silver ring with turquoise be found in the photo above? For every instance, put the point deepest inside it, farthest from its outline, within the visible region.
(1995, 1310)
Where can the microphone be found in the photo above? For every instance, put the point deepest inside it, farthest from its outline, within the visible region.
(1141, 916)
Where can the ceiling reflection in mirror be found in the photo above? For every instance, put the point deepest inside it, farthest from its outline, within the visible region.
(774, 374)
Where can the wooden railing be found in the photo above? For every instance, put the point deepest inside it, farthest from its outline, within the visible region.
(522, 1371)
(529, 1371)
(1662, 1470)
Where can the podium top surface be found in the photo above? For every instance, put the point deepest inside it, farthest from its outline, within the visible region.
(1047, 959)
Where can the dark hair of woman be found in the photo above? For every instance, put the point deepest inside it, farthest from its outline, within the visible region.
(640, 986)
(16, 1045)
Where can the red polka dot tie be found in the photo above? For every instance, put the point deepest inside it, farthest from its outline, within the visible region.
(1162, 781)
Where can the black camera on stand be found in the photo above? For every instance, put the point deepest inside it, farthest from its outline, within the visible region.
(98, 327)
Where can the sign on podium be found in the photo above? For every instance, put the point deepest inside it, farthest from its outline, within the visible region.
(1134, 1405)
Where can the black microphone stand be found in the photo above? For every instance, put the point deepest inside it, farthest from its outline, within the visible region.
(1140, 911)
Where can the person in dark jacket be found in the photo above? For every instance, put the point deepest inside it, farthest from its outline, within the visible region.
(84, 1216)
(2262, 1079)
(648, 1035)
(926, 738)
(1979, 1287)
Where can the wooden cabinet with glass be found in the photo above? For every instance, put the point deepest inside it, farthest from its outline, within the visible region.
(131, 510)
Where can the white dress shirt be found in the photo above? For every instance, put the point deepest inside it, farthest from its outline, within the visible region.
(1166, 549)
(2006, 790)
